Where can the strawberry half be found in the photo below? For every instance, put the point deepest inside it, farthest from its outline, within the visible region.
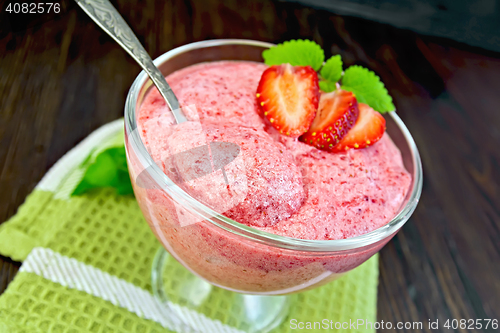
(288, 97)
(367, 130)
(337, 113)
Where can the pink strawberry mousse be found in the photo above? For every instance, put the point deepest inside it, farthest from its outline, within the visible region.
(277, 184)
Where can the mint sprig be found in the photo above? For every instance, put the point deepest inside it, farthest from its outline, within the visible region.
(107, 169)
(363, 83)
(300, 52)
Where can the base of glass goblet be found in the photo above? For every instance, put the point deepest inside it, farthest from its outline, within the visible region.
(173, 283)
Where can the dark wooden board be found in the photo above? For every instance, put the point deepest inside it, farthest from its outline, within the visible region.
(62, 79)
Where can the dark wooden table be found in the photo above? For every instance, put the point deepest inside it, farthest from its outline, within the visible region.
(62, 79)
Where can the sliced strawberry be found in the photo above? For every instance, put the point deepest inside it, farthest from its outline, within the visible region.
(337, 113)
(367, 130)
(288, 97)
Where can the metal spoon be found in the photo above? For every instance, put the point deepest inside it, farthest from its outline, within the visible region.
(107, 17)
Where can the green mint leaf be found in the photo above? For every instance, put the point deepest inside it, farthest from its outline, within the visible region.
(332, 70)
(120, 158)
(108, 169)
(123, 185)
(327, 86)
(367, 88)
(102, 172)
(331, 73)
(300, 52)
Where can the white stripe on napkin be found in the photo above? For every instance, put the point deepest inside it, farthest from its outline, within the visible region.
(74, 274)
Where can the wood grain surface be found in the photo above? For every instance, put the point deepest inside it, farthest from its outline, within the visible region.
(63, 78)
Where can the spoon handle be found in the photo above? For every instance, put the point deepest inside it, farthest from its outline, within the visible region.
(107, 17)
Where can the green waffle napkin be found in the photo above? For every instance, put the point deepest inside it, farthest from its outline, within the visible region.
(87, 263)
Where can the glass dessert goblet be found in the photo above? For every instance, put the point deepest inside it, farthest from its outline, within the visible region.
(217, 266)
